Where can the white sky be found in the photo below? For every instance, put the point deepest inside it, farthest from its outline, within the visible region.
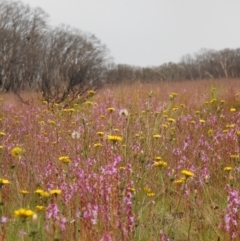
(151, 32)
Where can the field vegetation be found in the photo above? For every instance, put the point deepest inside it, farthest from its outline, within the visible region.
(137, 162)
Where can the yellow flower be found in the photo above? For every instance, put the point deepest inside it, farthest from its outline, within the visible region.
(210, 132)
(3, 181)
(160, 164)
(151, 194)
(232, 110)
(44, 194)
(97, 145)
(192, 122)
(228, 169)
(158, 158)
(171, 120)
(45, 102)
(187, 174)
(89, 103)
(56, 192)
(38, 191)
(17, 151)
(24, 192)
(180, 181)
(52, 122)
(202, 121)
(156, 136)
(110, 109)
(64, 159)
(40, 208)
(100, 133)
(147, 189)
(114, 139)
(91, 92)
(2, 133)
(23, 213)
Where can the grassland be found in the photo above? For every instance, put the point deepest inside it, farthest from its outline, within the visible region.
(137, 162)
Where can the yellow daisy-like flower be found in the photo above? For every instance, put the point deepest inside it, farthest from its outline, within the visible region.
(3, 181)
(157, 136)
(228, 169)
(151, 194)
(232, 109)
(64, 159)
(114, 139)
(56, 192)
(110, 109)
(17, 151)
(40, 208)
(91, 92)
(100, 133)
(23, 213)
(2, 133)
(187, 174)
(96, 145)
(171, 120)
(38, 191)
(180, 181)
(202, 121)
(158, 158)
(89, 103)
(45, 194)
(24, 192)
(147, 189)
(160, 164)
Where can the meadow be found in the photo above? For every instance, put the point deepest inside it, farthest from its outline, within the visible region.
(139, 162)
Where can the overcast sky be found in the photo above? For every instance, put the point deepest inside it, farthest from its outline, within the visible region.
(151, 32)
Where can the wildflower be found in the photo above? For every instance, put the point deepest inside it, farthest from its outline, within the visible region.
(110, 109)
(40, 208)
(232, 110)
(210, 132)
(228, 169)
(44, 194)
(96, 145)
(151, 194)
(202, 121)
(24, 192)
(17, 151)
(180, 181)
(172, 96)
(100, 133)
(91, 92)
(114, 139)
(2, 133)
(157, 136)
(122, 168)
(187, 174)
(147, 189)
(42, 122)
(213, 101)
(45, 102)
(64, 159)
(123, 112)
(89, 103)
(52, 122)
(23, 213)
(38, 191)
(222, 101)
(3, 182)
(101, 116)
(56, 192)
(75, 135)
(171, 120)
(160, 164)
(158, 158)
(192, 122)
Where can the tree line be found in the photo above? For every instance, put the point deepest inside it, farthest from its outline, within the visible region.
(63, 62)
(205, 64)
